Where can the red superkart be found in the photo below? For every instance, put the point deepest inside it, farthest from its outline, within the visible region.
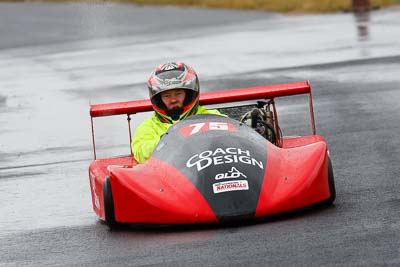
(209, 169)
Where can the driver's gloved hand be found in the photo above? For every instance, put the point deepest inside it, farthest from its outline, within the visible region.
(257, 121)
(260, 128)
(261, 119)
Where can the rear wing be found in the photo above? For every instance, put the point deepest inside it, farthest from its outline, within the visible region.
(208, 98)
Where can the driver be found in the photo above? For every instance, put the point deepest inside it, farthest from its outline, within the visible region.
(174, 93)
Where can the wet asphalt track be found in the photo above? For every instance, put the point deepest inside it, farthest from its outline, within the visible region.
(55, 59)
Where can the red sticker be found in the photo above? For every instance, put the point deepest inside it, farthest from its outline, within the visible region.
(200, 127)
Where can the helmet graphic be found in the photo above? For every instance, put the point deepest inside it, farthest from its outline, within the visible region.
(174, 75)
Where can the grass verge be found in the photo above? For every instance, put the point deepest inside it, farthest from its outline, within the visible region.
(286, 6)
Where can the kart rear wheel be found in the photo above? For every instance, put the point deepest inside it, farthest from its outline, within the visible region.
(108, 204)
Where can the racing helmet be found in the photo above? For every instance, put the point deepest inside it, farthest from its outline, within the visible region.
(174, 75)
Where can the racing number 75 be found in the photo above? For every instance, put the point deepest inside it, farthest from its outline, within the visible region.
(197, 127)
(206, 126)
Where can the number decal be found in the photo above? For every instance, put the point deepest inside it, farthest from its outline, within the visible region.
(196, 127)
(200, 127)
(219, 126)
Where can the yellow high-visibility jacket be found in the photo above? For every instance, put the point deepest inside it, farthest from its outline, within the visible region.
(149, 132)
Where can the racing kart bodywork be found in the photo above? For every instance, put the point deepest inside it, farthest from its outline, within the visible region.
(210, 168)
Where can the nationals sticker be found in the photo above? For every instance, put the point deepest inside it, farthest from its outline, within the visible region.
(230, 186)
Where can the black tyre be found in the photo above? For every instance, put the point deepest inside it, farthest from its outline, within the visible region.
(331, 183)
(108, 204)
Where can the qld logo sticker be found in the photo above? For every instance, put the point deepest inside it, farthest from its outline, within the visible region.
(230, 186)
(232, 174)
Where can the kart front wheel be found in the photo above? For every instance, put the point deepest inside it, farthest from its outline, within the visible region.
(108, 204)
(331, 183)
